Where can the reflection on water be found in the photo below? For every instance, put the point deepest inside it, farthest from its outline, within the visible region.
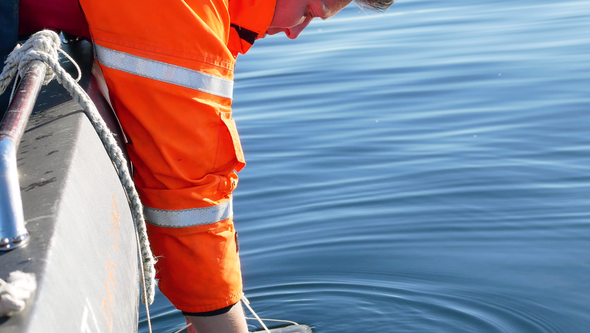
(423, 170)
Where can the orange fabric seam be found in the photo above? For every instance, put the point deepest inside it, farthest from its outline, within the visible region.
(218, 135)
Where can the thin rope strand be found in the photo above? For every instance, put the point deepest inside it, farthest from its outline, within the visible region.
(74, 63)
(254, 313)
(275, 320)
(183, 328)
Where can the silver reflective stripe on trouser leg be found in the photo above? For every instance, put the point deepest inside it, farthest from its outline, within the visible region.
(183, 218)
(164, 72)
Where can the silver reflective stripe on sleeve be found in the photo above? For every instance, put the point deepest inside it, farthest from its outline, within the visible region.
(188, 217)
(164, 72)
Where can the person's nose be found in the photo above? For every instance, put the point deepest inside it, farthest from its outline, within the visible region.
(295, 31)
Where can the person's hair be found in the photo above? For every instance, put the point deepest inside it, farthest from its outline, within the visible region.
(377, 5)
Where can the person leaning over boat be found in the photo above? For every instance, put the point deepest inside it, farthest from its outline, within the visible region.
(169, 67)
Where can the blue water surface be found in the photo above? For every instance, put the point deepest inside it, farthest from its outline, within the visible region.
(422, 170)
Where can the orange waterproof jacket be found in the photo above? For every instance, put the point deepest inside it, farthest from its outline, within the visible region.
(173, 169)
(169, 66)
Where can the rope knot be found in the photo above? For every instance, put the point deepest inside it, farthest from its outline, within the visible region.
(15, 292)
(43, 46)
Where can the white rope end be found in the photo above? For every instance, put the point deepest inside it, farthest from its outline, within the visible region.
(13, 294)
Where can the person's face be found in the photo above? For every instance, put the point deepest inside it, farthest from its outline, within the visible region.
(292, 16)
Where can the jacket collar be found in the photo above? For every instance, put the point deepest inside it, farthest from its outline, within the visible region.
(250, 20)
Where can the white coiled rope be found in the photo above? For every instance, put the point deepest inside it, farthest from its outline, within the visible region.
(44, 46)
(15, 291)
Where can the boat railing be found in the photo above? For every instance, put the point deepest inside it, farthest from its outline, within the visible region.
(13, 233)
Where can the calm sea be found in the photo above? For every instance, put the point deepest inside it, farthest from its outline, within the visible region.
(423, 170)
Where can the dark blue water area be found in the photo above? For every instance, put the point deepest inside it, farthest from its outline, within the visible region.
(422, 170)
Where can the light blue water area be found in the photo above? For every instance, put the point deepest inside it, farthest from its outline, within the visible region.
(422, 170)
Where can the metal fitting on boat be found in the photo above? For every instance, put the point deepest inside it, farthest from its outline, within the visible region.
(12, 220)
(13, 233)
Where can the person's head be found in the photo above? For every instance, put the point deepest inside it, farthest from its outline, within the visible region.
(292, 16)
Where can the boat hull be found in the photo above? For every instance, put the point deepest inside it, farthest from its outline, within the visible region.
(82, 245)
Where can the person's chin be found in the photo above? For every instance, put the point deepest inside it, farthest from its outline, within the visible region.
(273, 31)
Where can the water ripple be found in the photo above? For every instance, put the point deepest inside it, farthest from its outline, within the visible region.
(400, 304)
